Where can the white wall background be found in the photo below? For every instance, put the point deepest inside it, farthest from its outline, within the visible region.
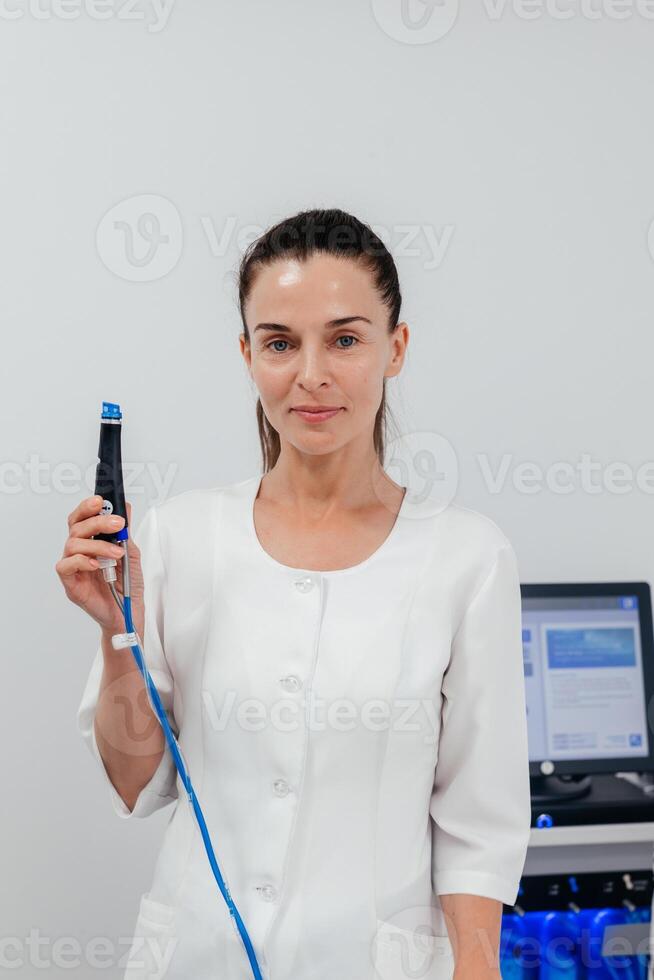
(519, 141)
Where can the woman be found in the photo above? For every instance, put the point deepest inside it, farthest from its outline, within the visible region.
(345, 676)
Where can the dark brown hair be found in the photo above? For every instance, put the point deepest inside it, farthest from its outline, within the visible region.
(299, 237)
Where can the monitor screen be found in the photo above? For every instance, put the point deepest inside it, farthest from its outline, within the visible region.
(585, 678)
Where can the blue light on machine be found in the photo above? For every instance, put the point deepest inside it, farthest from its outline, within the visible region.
(572, 881)
(628, 601)
(544, 820)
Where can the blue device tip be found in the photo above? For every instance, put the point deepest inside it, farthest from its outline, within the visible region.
(111, 411)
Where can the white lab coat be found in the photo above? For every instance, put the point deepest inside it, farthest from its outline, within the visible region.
(357, 740)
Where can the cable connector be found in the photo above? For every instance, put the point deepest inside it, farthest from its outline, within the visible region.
(108, 566)
(121, 640)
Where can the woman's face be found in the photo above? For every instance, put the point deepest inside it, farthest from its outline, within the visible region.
(319, 337)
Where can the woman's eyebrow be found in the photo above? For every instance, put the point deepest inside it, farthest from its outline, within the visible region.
(330, 325)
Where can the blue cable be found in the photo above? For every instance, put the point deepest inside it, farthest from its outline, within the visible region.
(186, 779)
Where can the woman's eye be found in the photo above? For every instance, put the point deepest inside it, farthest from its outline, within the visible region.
(348, 337)
(279, 341)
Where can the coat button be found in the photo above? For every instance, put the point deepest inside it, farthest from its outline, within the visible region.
(267, 893)
(281, 787)
(304, 584)
(291, 683)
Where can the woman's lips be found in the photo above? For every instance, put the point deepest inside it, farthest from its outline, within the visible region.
(316, 416)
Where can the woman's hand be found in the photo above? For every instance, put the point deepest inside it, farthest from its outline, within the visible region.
(81, 576)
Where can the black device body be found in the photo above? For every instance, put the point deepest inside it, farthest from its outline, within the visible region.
(109, 475)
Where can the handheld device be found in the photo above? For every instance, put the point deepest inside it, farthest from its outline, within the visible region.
(109, 485)
(109, 471)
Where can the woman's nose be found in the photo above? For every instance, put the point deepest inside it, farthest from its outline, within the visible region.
(312, 367)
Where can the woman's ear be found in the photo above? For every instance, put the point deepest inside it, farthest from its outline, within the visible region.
(245, 351)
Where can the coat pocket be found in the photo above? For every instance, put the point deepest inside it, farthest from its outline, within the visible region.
(408, 954)
(154, 942)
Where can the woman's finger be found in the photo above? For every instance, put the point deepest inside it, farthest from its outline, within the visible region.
(97, 524)
(86, 507)
(91, 546)
(67, 568)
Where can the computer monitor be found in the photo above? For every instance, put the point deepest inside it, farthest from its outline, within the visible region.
(589, 678)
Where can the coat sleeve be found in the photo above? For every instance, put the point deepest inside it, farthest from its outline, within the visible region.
(480, 804)
(162, 787)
